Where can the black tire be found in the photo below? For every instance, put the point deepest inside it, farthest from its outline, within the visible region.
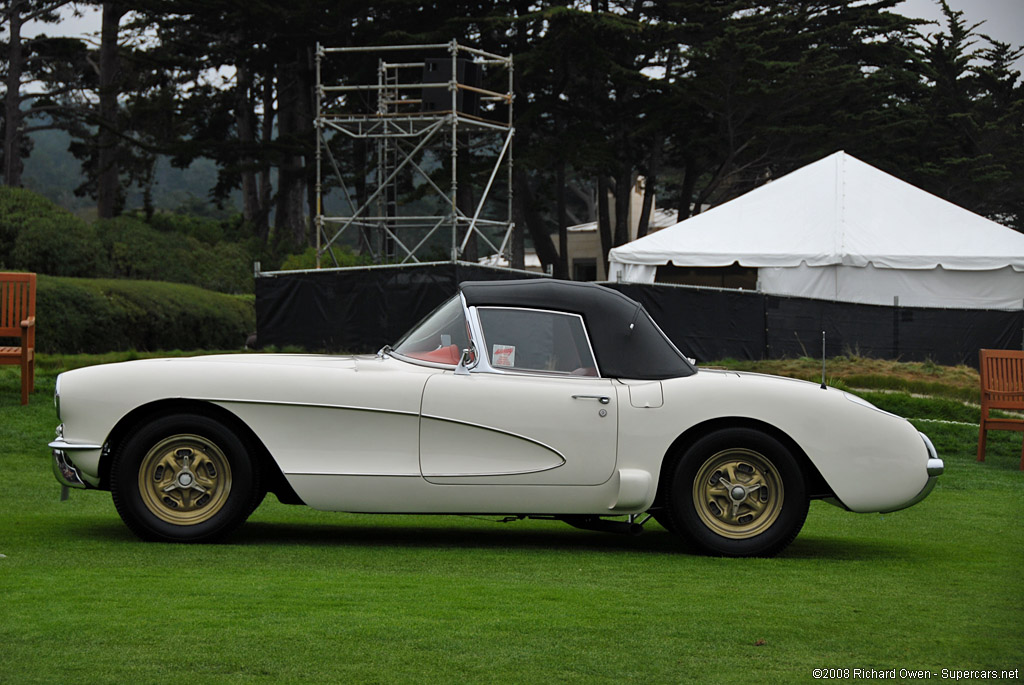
(737, 492)
(184, 478)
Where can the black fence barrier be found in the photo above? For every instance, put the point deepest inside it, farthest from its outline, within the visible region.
(360, 310)
(711, 324)
(705, 323)
(356, 310)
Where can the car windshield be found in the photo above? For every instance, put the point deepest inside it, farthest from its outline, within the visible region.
(440, 337)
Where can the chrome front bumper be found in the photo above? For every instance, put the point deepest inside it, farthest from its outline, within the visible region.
(66, 473)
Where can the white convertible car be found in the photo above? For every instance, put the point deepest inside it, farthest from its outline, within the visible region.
(526, 399)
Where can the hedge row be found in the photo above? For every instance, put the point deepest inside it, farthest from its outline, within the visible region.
(76, 315)
(37, 235)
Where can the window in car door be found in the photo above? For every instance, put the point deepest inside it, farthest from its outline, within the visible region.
(536, 341)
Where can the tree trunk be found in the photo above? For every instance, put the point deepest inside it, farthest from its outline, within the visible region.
(518, 246)
(518, 260)
(686, 190)
(108, 181)
(245, 119)
(266, 189)
(12, 101)
(604, 227)
(650, 181)
(307, 131)
(526, 214)
(623, 197)
(289, 222)
(562, 269)
(586, 196)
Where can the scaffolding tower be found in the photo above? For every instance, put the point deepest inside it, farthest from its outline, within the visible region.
(401, 160)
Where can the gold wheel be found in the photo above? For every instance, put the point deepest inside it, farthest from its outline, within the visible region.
(738, 493)
(184, 479)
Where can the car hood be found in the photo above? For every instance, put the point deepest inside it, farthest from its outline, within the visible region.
(285, 378)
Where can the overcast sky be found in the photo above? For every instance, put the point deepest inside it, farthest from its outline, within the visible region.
(1004, 19)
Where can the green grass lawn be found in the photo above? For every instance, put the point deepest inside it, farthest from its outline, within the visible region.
(304, 596)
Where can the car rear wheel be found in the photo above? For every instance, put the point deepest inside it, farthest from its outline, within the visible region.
(184, 478)
(738, 492)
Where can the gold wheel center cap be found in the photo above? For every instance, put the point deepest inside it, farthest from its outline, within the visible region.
(738, 493)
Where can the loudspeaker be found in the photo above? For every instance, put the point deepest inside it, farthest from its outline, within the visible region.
(440, 99)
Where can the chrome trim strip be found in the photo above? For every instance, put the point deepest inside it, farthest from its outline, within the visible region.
(361, 475)
(420, 475)
(494, 473)
(502, 432)
(60, 444)
(282, 403)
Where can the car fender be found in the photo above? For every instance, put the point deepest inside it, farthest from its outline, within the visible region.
(871, 460)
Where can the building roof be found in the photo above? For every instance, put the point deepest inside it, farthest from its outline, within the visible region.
(660, 218)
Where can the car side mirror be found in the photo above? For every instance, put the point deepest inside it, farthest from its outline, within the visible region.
(465, 362)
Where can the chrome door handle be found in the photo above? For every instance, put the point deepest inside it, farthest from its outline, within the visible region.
(600, 398)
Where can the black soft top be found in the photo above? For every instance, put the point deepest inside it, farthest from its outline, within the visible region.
(627, 343)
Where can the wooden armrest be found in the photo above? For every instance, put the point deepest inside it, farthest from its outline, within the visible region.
(29, 322)
(1004, 393)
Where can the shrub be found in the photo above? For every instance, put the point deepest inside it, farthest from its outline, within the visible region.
(225, 267)
(60, 246)
(16, 206)
(209, 231)
(137, 250)
(307, 259)
(76, 315)
(37, 235)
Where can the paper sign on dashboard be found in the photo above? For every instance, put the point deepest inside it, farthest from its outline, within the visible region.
(503, 355)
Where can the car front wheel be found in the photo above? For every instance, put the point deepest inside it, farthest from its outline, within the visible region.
(737, 492)
(184, 478)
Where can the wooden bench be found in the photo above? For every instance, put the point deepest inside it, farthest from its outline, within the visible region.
(18, 320)
(1002, 387)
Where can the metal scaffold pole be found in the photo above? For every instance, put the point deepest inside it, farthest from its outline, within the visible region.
(411, 140)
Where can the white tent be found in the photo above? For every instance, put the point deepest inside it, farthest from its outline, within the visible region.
(840, 229)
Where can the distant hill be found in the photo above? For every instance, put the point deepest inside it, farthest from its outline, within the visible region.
(54, 173)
